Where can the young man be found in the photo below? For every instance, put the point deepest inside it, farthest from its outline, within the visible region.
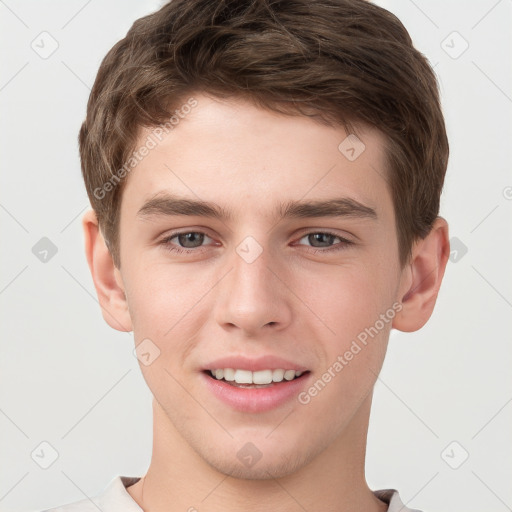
(265, 181)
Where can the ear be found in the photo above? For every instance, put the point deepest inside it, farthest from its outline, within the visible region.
(107, 278)
(421, 279)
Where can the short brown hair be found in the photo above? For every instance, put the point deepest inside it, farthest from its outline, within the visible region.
(339, 61)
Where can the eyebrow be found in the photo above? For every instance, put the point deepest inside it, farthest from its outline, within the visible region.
(165, 204)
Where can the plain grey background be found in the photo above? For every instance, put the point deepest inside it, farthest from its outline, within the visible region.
(442, 405)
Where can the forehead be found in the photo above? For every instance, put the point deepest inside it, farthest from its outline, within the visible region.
(239, 156)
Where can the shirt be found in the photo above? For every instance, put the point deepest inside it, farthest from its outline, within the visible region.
(115, 498)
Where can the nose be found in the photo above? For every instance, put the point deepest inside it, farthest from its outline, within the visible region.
(253, 297)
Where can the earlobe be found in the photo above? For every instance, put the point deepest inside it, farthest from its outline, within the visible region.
(423, 278)
(106, 277)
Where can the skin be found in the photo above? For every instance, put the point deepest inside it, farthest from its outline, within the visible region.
(197, 307)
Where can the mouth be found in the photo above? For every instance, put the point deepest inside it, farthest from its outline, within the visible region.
(255, 391)
(254, 380)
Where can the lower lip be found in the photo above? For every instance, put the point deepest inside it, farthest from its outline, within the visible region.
(256, 399)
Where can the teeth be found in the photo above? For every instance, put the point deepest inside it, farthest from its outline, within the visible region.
(259, 377)
(243, 377)
(289, 374)
(277, 375)
(229, 374)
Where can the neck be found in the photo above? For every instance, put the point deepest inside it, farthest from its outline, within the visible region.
(178, 479)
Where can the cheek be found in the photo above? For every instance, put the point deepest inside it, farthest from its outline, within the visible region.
(346, 299)
(352, 356)
(353, 336)
(159, 298)
(162, 301)
(165, 306)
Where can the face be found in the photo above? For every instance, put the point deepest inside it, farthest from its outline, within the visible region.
(292, 265)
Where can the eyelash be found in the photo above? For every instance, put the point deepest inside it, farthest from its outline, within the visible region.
(166, 242)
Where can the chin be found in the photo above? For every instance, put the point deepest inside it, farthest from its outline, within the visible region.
(260, 470)
(279, 465)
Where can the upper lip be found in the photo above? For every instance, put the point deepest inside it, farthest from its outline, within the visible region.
(267, 362)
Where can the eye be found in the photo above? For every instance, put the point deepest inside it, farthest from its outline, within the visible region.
(321, 241)
(187, 240)
(192, 242)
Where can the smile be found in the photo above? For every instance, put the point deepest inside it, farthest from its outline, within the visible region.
(261, 377)
(255, 392)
